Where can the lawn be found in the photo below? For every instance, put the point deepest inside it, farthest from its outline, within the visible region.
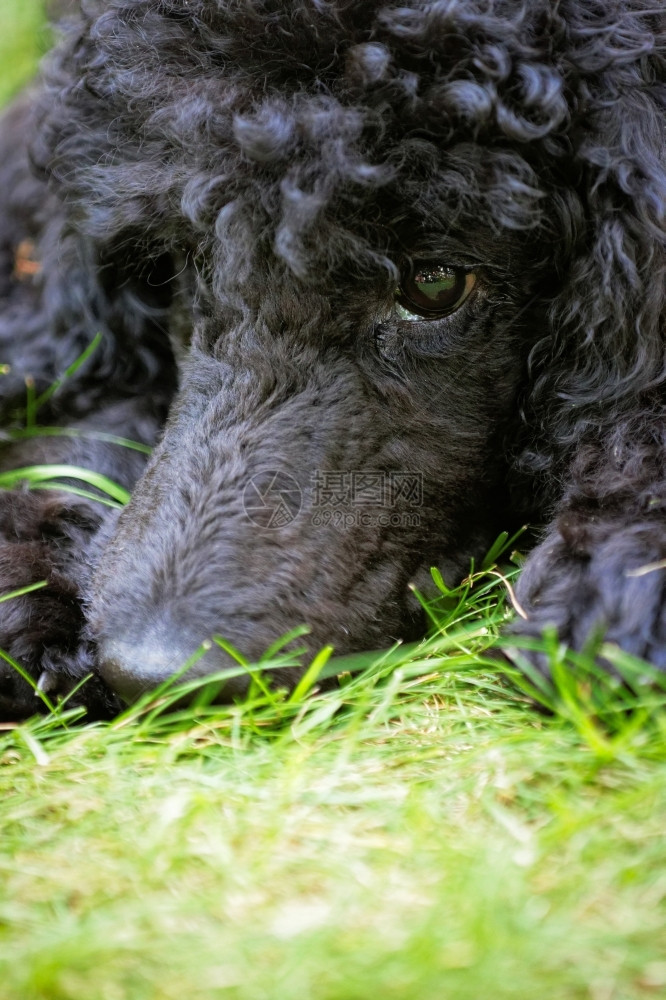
(421, 832)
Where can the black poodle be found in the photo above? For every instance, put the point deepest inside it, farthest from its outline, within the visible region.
(380, 279)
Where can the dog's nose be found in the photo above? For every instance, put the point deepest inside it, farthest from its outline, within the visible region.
(133, 668)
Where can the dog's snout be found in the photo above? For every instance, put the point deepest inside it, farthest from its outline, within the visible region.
(132, 668)
(278, 520)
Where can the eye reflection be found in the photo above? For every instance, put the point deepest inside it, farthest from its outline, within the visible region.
(430, 291)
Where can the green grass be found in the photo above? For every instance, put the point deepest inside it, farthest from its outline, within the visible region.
(421, 832)
(23, 39)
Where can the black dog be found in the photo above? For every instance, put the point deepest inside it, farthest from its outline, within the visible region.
(394, 277)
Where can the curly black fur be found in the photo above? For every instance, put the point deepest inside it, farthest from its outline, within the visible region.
(231, 191)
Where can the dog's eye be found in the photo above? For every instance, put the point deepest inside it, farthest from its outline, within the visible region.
(430, 291)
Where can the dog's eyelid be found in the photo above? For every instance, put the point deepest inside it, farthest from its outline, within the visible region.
(408, 317)
(432, 252)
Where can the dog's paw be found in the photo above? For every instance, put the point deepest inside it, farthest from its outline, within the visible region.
(44, 539)
(595, 579)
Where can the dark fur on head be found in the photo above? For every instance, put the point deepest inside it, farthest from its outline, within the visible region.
(234, 191)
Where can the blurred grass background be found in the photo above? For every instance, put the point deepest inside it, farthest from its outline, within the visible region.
(24, 37)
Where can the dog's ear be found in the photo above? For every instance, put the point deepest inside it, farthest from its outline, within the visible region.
(607, 333)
